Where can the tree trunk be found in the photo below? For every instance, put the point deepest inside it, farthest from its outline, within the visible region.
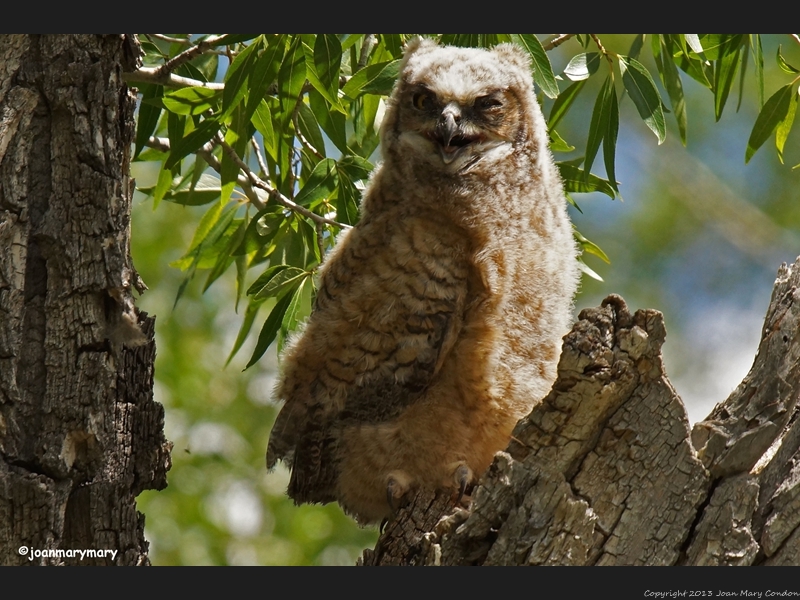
(605, 471)
(80, 434)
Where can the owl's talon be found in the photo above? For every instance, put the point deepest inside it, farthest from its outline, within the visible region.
(463, 476)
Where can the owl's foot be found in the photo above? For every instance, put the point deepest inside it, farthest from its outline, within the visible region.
(463, 477)
(397, 486)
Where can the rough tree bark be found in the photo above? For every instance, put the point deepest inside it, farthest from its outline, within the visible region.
(605, 471)
(80, 434)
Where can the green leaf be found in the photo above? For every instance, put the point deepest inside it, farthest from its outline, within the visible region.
(576, 182)
(333, 123)
(585, 268)
(291, 77)
(563, 103)
(162, 186)
(321, 183)
(693, 41)
(327, 61)
(231, 240)
(247, 324)
(374, 79)
(261, 230)
(663, 51)
(347, 199)
(149, 115)
(599, 125)
(774, 112)
(234, 38)
(636, 46)
(610, 137)
(237, 76)
(191, 100)
(276, 282)
(270, 329)
(758, 60)
(725, 70)
(643, 92)
(192, 142)
(582, 66)
(557, 143)
(262, 121)
(299, 308)
(590, 247)
(785, 126)
(785, 66)
(204, 191)
(264, 73)
(542, 69)
(309, 128)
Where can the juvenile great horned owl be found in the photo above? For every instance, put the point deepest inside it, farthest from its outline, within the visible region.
(439, 317)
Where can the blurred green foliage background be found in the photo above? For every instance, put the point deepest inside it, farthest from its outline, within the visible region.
(699, 236)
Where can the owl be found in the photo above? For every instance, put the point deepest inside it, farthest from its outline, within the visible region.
(438, 318)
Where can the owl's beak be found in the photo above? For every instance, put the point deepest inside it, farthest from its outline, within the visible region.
(449, 135)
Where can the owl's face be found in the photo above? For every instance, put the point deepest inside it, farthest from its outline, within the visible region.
(455, 109)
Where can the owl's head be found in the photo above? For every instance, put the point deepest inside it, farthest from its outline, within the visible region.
(456, 110)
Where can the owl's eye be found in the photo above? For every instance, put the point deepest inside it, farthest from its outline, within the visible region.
(422, 101)
(488, 103)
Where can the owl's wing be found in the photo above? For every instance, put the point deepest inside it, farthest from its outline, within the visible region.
(389, 309)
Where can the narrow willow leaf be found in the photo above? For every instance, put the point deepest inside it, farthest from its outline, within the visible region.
(333, 123)
(191, 100)
(582, 66)
(773, 113)
(785, 126)
(347, 200)
(645, 96)
(307, 123)
(590, 247)
(247, 324)
(743, 54)
(234, 38)
(610, 137)
(374, 79)
(225, 257)
(356, 167)
(149, 115)
(262, 229)
(576, 182)
(728, 47)
(636, 46)
(205, 190)
(297, 310)
(693, 41)
(785, 66)
(270, 329)
(542, 69)
(192, 142)
(280, 283)
(291, 77)
(264, 73)
(599, 124)
(237, 76)
(557, 143)
(563, 103)
(663, 51)
(265, 278)
(328, 60)
(586, 269)
(321, 183)
(393, 43)
(758, 62)
(162, 185)
(262, 121)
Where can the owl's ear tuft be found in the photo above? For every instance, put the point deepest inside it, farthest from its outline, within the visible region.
(419, 43)
(514, 55)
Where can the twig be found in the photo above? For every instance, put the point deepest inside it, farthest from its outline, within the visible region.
(189, 54)
(603, 51)
(262, 161)
(206, 152)
(155, 75)
(558, 40)
(303, 141)
(171, 40)
(274, 193)
(366, 48)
